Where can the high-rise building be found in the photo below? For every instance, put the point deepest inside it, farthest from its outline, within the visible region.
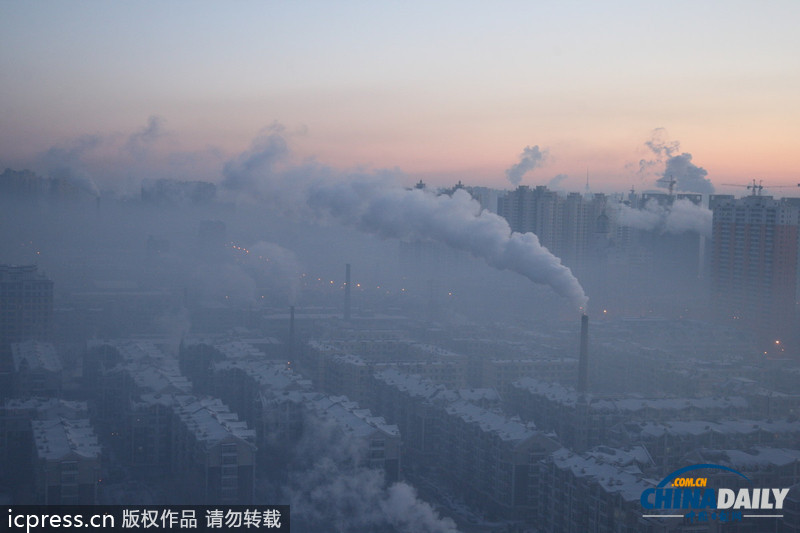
(754, 266)
(570, 226)
(26, 305)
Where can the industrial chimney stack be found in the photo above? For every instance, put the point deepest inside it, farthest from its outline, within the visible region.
(347, 292)
(291, 333)
(583, 357)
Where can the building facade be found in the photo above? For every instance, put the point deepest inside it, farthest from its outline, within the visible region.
(754, 266)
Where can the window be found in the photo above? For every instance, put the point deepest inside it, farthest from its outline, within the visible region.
(229, 460)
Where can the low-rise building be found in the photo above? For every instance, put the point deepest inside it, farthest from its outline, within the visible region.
(67, 462)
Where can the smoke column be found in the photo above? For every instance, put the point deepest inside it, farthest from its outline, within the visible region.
(683, 216)
(530, 158)
(330, 488)
(678, 166)
(291, 332)
(689, 177)
(456, 221)
(347, 292)
(376, 204)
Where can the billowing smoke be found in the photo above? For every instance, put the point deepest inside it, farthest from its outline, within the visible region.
(660, 144)
(378, 205)
(530, 158)
(118, 162)
(67, 163)
(140, 142)
(246, 172)
(676, 165)
(456, 221)
(329, 490)
(683, 216)
(688, 176)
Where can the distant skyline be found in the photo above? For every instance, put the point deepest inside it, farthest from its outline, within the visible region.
(443, 91)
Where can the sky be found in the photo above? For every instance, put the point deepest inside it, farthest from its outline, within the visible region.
(443, 91)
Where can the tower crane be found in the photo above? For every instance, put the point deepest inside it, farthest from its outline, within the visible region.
(756, 188)
(670, 183)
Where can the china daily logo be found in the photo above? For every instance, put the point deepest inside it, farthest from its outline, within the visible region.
(691, 496)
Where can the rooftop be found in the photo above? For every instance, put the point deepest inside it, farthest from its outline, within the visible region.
(36, 355)
(58, 438)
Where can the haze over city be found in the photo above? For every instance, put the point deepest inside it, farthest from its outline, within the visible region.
(448, 266)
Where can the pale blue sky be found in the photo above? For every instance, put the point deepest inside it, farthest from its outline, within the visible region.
(439, 89)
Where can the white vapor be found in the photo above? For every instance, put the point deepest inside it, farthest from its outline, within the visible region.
(683, 216)
(530, 158)
(457, 221)
(677, 166)
(330, 489)
(378, 205)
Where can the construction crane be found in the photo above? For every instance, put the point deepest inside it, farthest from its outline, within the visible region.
(670, 183)
(756, 188)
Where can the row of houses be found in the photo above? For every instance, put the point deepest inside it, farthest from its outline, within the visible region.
(281, 406)
(53, 443)
(161, 429)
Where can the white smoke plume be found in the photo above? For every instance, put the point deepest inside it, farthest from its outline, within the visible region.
(378, 205)
(683, 216)
(530, 158)
(688, 176)
(117, 162)
(456, 221)
(66, 162)
(555, 182)
(328, 490)
(140, 142)
(676, 165)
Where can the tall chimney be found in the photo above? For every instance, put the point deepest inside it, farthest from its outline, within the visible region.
(291, 333)
(583, 357)
(347, 292)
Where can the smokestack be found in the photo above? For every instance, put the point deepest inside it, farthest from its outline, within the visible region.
(291, 333)
(583, 357)
(347, 292)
